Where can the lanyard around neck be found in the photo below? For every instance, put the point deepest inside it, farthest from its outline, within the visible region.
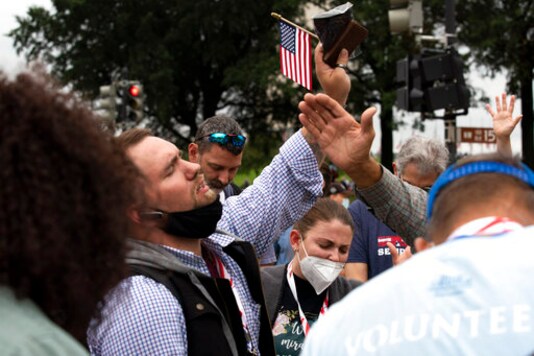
(223, 273)
(489, 226)
(293, 287)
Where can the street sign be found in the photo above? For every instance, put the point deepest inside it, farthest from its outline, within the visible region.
(477, 135)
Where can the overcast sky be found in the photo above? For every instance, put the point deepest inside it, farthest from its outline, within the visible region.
(477, 117)
(10, 62)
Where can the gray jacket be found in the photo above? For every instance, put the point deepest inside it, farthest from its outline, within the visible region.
(273, 279)
(148, 254)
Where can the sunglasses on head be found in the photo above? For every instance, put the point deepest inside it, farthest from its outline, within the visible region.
(224, 139)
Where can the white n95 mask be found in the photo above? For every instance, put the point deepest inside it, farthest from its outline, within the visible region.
(318, 271)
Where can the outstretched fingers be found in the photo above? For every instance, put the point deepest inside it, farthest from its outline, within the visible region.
(330, 105)
(504, 104)
(312, 129)
(367, 119)
(313, 111)
(512, 104)
(490, 110)
(517, 119)
(497, 103)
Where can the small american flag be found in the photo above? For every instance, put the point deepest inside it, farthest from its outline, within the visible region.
(296, 55)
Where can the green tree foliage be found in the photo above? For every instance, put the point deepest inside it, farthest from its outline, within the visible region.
(197, 57)
(500, 35)
(375, 69)
(194, 57)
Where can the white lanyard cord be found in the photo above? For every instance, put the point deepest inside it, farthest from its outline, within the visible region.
(292, 286)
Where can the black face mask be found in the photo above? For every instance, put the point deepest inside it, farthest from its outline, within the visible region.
(196, 224)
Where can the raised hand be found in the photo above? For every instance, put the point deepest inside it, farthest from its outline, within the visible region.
(503, 122)
(345, 141)
(334, 80)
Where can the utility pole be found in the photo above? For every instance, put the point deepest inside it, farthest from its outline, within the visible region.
(450, 117)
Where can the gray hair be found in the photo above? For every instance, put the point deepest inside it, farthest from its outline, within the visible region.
(429, 155)
(217, 123)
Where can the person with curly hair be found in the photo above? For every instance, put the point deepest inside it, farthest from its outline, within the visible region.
(65, 189)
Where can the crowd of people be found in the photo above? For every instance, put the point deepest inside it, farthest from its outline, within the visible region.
(120, 246)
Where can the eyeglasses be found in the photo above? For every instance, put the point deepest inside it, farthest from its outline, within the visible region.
(426, 188)
(222, 138)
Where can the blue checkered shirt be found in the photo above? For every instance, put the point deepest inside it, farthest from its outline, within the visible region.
(142, 317)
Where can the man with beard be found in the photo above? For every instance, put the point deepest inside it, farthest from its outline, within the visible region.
(195, 286)
(218, 149)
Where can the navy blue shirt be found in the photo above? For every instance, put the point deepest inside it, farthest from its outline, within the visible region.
(369, 240)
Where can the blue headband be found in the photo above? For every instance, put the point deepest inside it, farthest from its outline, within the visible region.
(454, 172)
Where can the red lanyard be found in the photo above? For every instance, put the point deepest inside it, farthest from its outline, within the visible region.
(488, 226)
(292, 286)
(217, 269)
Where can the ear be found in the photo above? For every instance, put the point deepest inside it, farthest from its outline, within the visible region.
(192, 150)
(133, 214)
(294, 240)
(395, 169)
(421, 244)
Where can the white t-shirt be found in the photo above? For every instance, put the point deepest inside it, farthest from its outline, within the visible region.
(471, 295)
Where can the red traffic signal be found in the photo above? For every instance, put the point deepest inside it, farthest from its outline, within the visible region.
(134, 90)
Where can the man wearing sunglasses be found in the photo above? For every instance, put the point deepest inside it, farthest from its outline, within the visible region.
(218, 149)
(195, 286)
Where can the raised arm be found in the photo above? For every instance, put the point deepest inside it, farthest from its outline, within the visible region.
(334, 81)
(345, 141)
(348, 144)
(503, 122)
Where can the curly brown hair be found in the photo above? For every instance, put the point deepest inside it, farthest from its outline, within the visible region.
(65, 188)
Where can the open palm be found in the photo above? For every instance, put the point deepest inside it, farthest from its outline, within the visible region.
(345, 141)
(503, 122)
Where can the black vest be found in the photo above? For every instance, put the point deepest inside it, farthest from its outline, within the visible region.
(204, 321)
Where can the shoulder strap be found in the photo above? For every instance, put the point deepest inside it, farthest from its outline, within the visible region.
(160, 276)
(182, 288)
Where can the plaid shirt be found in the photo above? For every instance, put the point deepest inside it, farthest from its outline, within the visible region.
(142, 317)
(400, 205)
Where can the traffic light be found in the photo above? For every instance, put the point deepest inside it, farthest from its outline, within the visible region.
(411, 96)
(432, 81)
(444, 80)
(405, 15)
(108, 101)
(134, 101)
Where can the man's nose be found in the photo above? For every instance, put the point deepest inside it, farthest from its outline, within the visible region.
(224, 177)
(191, 169)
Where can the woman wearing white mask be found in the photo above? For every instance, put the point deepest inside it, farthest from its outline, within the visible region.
(297, 294)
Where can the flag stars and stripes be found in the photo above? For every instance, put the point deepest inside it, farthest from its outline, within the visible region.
(295, 55)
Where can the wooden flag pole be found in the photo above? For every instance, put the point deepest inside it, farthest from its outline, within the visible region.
(280, 18)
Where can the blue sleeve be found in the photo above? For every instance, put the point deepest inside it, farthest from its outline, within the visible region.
(360, 241)
(283, 192)
(141, 317)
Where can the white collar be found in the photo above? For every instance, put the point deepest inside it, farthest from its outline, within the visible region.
(486, 226)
